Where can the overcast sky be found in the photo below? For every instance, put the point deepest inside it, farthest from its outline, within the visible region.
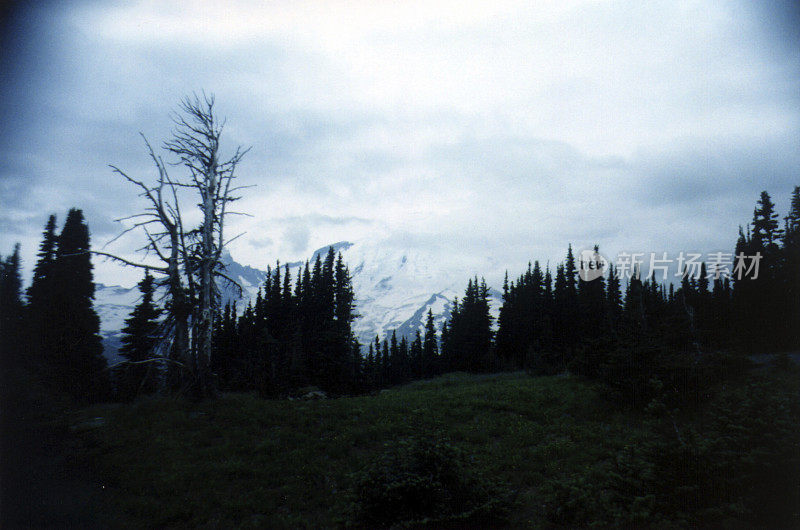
(494, 129)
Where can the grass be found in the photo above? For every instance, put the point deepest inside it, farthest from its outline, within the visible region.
(241, 461)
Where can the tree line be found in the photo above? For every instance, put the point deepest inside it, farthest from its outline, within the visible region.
(296, 334)
(298, 331)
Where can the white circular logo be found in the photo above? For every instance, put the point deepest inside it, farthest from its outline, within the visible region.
(591, 265)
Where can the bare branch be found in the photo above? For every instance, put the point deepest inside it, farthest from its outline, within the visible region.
(127, 262)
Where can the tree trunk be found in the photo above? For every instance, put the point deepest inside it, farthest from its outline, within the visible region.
(207, 262)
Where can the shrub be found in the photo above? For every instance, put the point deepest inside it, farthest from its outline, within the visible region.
(738, 465)
(425, 480)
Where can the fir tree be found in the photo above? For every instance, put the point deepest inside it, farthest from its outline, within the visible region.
(469, 337)
(416, 353)
(11, 309)
(766, 232)
(430, 350)
(395, 362)
(139, 375)
(76, 359)
(791, 275)
(40, 310)
(614, 301)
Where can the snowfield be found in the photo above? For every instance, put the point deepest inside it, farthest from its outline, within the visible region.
(394, 288)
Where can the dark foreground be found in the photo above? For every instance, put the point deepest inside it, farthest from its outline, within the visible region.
(563, 454)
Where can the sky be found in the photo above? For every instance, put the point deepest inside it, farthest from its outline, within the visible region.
(498, 131)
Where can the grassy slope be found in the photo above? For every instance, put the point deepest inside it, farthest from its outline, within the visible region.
(243, 461)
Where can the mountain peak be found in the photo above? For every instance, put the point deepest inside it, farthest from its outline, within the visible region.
(337, 247)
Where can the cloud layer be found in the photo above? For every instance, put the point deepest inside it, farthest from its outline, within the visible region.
(503, 130)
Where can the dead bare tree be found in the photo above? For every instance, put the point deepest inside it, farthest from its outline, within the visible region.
(191, 263)
(196, 142)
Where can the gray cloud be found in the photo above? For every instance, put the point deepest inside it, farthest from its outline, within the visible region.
(297, 236)
(507, 130)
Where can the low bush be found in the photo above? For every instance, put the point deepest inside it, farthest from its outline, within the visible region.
(736, 464)
(425, 481)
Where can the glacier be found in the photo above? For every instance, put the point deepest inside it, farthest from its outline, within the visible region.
(395, 286)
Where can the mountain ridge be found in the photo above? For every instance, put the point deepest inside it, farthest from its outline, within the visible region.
(394, 289)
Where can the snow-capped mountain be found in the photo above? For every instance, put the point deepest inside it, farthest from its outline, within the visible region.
(114, 303)
(394, 287)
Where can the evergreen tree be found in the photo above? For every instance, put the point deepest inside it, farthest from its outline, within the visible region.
(387, 363)
(40, 311)
(766, 232)
(416, 352)
(395, 362)
(614, 301)
(11, 309)
(430, 350)
(380, 364)
(791, 273)
(444, 348)
(470, 332)
(411, 371)
(595, 337)
(76, 361)
(42, 272)
(369, 367)
(140, 339)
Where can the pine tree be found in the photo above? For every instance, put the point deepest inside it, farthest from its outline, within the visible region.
(369, 367)
(40, 311)
(42, 272)
(469, 336)
(380, 364)
(411, 369)
(614, 301)
(11, 310)
(76, 359)
(139, 375)
(416, 352)
(790, 278)
(387, 363)
(430, 350)
(395, 362)
(570, 303)
(765, 223)
(444, 348)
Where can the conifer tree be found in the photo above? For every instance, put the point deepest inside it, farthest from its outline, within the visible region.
(387, 363)
(139, 375)
(416, 352)
(570, 302)
(380, 364)
(39, 312)
(430, 350)
(76, 359)
(469, 337)
(11, 309)
(444, 348)
(766, 232)
(410, 367)
(369, 367)
(614, 301)
(791, 276)
(395, 362)
(595, 339)
(42, 272)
